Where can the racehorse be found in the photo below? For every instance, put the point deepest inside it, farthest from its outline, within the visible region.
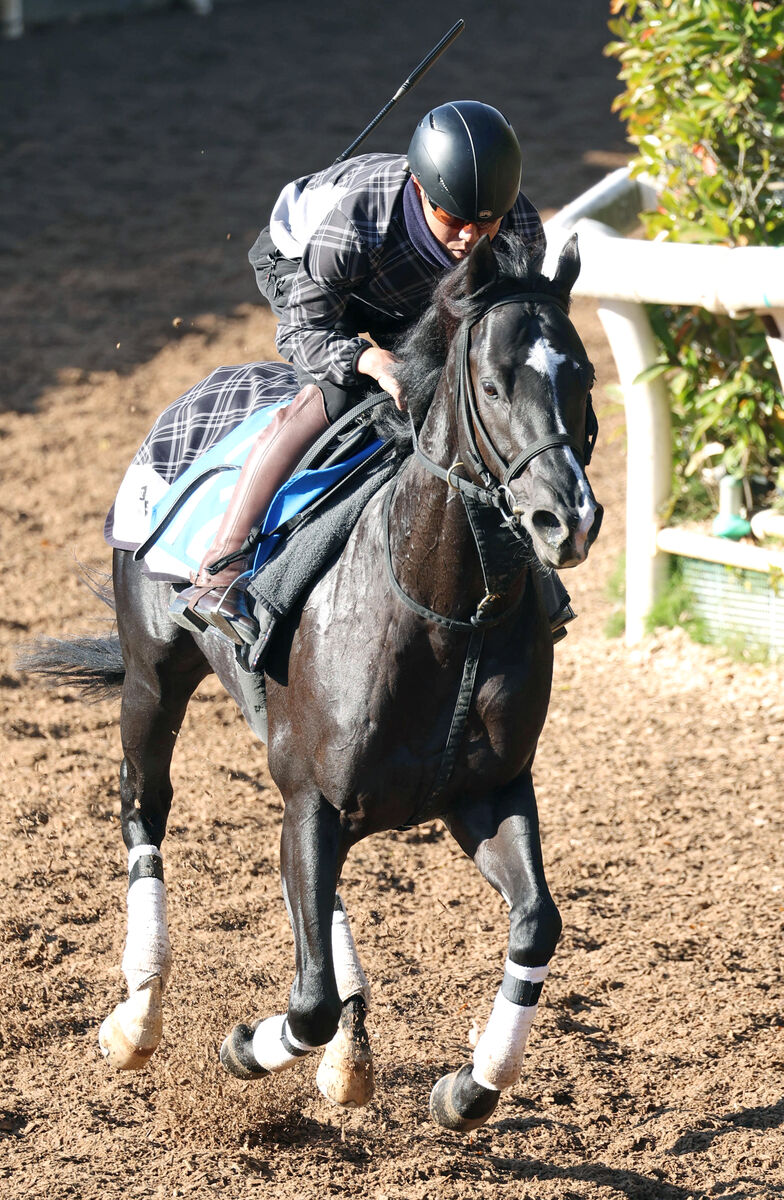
(414, 684)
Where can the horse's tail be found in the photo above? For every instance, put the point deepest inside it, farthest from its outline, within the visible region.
(94, 665)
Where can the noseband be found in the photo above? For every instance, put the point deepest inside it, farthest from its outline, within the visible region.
(493, 471)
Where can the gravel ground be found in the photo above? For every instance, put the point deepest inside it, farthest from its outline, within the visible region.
(139, 159)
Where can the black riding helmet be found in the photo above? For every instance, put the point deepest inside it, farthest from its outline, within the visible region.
(467, 159)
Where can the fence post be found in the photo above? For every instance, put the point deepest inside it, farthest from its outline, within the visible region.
(648, 457)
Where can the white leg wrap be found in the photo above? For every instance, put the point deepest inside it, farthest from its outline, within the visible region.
(147, 950)
(275, 1047)
(349, 976)
(498, 1057)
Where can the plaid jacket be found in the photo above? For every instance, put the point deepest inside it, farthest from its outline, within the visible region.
(359, 272)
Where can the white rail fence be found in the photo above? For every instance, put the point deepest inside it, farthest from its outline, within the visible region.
(624, 274)
(15, 14)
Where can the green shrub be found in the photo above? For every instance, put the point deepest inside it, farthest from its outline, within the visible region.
(704, 105)
(725, 398)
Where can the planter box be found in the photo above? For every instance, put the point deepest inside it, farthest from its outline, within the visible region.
(734, 604)
(738, 588)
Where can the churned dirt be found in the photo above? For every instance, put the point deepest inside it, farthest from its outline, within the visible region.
(139, 159)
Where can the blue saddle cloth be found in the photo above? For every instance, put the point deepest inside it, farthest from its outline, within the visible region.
(171, 501)
(185, 521)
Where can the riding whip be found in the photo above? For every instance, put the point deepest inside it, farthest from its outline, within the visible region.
(412, 80)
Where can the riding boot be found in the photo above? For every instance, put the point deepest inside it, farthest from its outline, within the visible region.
(218, 597)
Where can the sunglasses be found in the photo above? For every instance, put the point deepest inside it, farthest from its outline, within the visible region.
(457, 223)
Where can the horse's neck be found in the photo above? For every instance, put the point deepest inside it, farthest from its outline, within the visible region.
(434, 551)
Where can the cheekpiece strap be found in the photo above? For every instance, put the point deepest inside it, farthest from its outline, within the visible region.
(465, 486)
(472, 421)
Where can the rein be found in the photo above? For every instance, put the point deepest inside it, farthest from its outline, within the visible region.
(493, 491)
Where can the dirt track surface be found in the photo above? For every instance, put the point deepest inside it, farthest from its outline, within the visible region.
(139, 159)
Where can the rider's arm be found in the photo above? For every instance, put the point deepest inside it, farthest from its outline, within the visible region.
(315, 331)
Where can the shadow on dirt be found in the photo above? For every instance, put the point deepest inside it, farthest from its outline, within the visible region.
(696, 1140)
(142, 156)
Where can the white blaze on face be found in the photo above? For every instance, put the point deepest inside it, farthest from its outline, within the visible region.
(586, 507)
(545, 360)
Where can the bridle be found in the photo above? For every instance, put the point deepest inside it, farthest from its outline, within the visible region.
(490, 468)
(492, 490)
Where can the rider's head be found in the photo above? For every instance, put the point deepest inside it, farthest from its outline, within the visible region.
(466, 162)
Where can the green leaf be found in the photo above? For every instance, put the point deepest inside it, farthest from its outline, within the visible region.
(653, 372)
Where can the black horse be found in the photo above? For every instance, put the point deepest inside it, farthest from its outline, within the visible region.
(416, 684)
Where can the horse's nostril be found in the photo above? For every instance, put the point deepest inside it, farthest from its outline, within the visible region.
(549, 528)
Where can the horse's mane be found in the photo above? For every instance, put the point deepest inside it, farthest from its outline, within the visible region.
(423, 350)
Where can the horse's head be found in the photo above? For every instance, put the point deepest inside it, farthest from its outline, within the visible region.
(524, 382)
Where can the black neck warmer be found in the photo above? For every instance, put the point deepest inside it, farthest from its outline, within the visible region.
(422, 239)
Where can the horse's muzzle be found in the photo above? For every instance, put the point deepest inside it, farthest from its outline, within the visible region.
(562, 537)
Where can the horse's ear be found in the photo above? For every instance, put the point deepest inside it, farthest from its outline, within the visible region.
(482, 267)
(568, 268)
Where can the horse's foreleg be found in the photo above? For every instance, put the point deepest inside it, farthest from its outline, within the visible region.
(345, 1074)
(502, 837)
(309, 852)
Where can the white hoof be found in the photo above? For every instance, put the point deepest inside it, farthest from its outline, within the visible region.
(132, 1032)
(345, 1073)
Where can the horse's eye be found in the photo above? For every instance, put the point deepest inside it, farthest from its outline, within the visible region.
(489, 389)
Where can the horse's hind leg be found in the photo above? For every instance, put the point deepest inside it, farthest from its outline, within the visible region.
(162, 672)
(502, 837)
(345, 1074)
(311, 854)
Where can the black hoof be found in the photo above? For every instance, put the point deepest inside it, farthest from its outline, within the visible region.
(236, 1053)
(458, 1102)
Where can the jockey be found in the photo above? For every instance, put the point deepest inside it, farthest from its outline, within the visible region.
(357, 249)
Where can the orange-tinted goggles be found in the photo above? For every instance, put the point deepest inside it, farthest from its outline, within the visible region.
(457, 223)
